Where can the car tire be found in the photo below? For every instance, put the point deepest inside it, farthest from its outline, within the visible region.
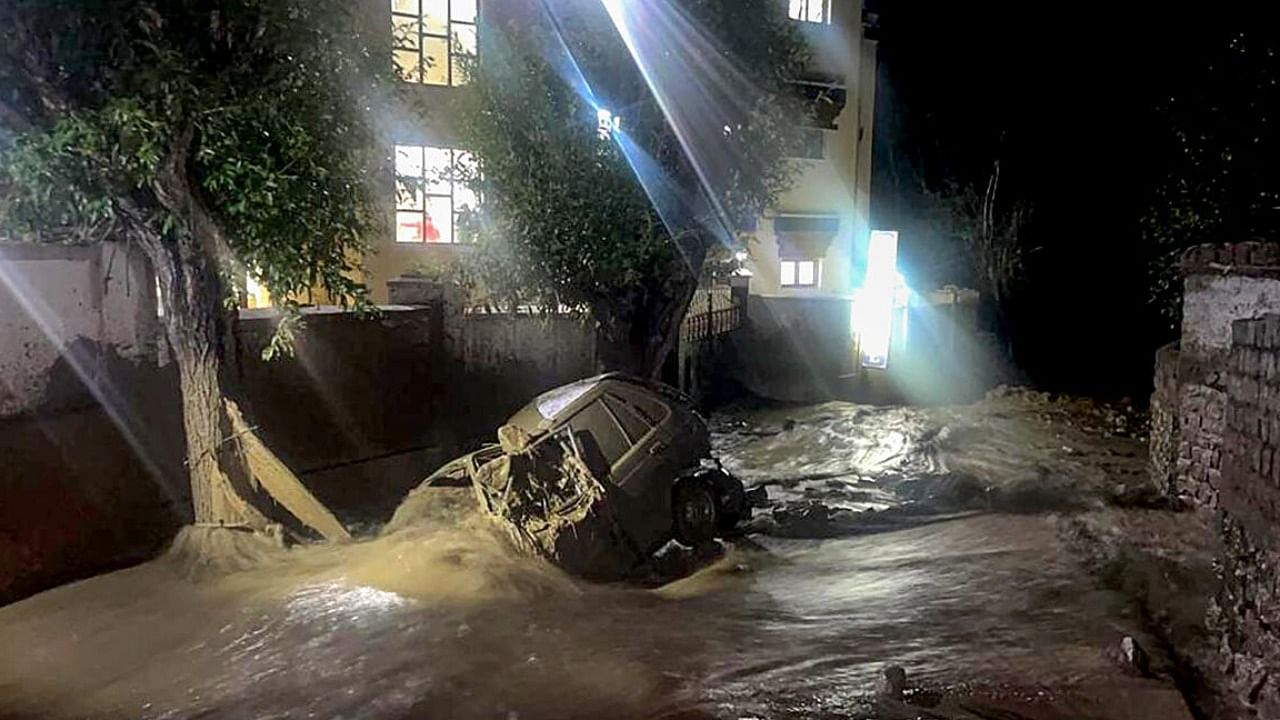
(731, 501)
(695, 513)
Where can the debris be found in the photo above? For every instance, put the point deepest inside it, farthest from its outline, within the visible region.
(280, 482)
(892, 683)
(1134, 656)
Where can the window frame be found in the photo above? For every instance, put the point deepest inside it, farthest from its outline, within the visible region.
(795, 283)
(419, 45)
(422, 188)
(801, 11)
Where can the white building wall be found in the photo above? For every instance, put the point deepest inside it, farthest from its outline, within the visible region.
(838, 185)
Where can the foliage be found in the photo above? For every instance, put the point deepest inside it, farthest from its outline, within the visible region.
(565, 221)
(991, 228)
(268, 105)
(1221, 183)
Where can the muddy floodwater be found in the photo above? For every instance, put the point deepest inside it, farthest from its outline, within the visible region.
(440, 620)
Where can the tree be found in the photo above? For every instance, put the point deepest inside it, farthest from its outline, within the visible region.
(217, 137)
(1220, 183)
(595, 195)
(991, 227)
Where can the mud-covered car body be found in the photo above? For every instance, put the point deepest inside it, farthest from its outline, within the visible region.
(640, 439)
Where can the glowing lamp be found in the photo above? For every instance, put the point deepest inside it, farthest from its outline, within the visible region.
(873, 303)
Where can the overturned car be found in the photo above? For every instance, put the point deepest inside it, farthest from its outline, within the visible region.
(599, 474)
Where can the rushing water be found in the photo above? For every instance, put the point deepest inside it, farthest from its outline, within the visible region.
(441, 621)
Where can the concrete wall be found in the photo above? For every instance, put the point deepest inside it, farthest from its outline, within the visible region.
(365, 408)
(514, 357)
(1247, 613)
(800, 349)
(53, 295)
(91, 439)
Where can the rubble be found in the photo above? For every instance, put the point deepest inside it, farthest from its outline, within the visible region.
(1134, 657)
(558, 511)
(892, 683)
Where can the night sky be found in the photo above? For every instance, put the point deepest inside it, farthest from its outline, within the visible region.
(1071, 96)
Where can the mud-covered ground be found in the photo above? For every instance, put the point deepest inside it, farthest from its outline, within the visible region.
(945, 541)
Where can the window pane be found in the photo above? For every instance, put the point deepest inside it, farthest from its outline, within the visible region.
(404, 31)
(408, 195)
(439, 225)
(600, 437)
(464, 11)
(464, 39)
(816, 13)
(632, 424)
(407, 64)
(464, 46)
(435, 51)
(796, 9)
(464, 198)
(787, 272)
(409, 227)
(405, 6)
(437, 169)
(435, 17)
(806, 272)
(409, 161)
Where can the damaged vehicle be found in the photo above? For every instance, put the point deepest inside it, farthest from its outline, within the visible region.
(599, 474)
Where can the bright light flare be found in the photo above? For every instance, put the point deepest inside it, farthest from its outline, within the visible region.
(873, 304)
(607, 123)
(701, 93)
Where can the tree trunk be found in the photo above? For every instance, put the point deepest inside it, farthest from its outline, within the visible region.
(194, 322)
(638, 332)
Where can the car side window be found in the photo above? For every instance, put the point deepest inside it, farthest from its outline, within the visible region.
(600, 438)
(652, 410)
(635, 425)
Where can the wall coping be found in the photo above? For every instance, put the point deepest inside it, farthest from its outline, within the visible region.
(1249, 258)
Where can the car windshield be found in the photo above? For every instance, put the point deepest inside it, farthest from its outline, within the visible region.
(550, 403)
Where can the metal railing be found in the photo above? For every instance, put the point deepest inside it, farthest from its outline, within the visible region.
(713, 311)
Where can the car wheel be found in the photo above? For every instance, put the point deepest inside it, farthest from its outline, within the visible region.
(731, 501)
(696, 516)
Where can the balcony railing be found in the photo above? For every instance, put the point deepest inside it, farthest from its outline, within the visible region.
(713, 311)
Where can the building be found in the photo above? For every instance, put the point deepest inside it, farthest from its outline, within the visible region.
(810, 244)
(806, 246)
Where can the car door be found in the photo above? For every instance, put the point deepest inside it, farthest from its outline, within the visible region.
(647, 457)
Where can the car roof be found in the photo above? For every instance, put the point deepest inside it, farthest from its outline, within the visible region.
(544, 411)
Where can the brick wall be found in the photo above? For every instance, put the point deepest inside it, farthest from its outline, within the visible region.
(1247, 608)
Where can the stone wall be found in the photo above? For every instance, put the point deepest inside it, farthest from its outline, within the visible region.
(1165, 425)
(1247, 609)
(1222, 284)
(1201, 418)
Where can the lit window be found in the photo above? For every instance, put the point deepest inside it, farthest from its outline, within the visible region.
(256, 294)
(430, 195)
(798, 273)
(814, 11)
(431, 37)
